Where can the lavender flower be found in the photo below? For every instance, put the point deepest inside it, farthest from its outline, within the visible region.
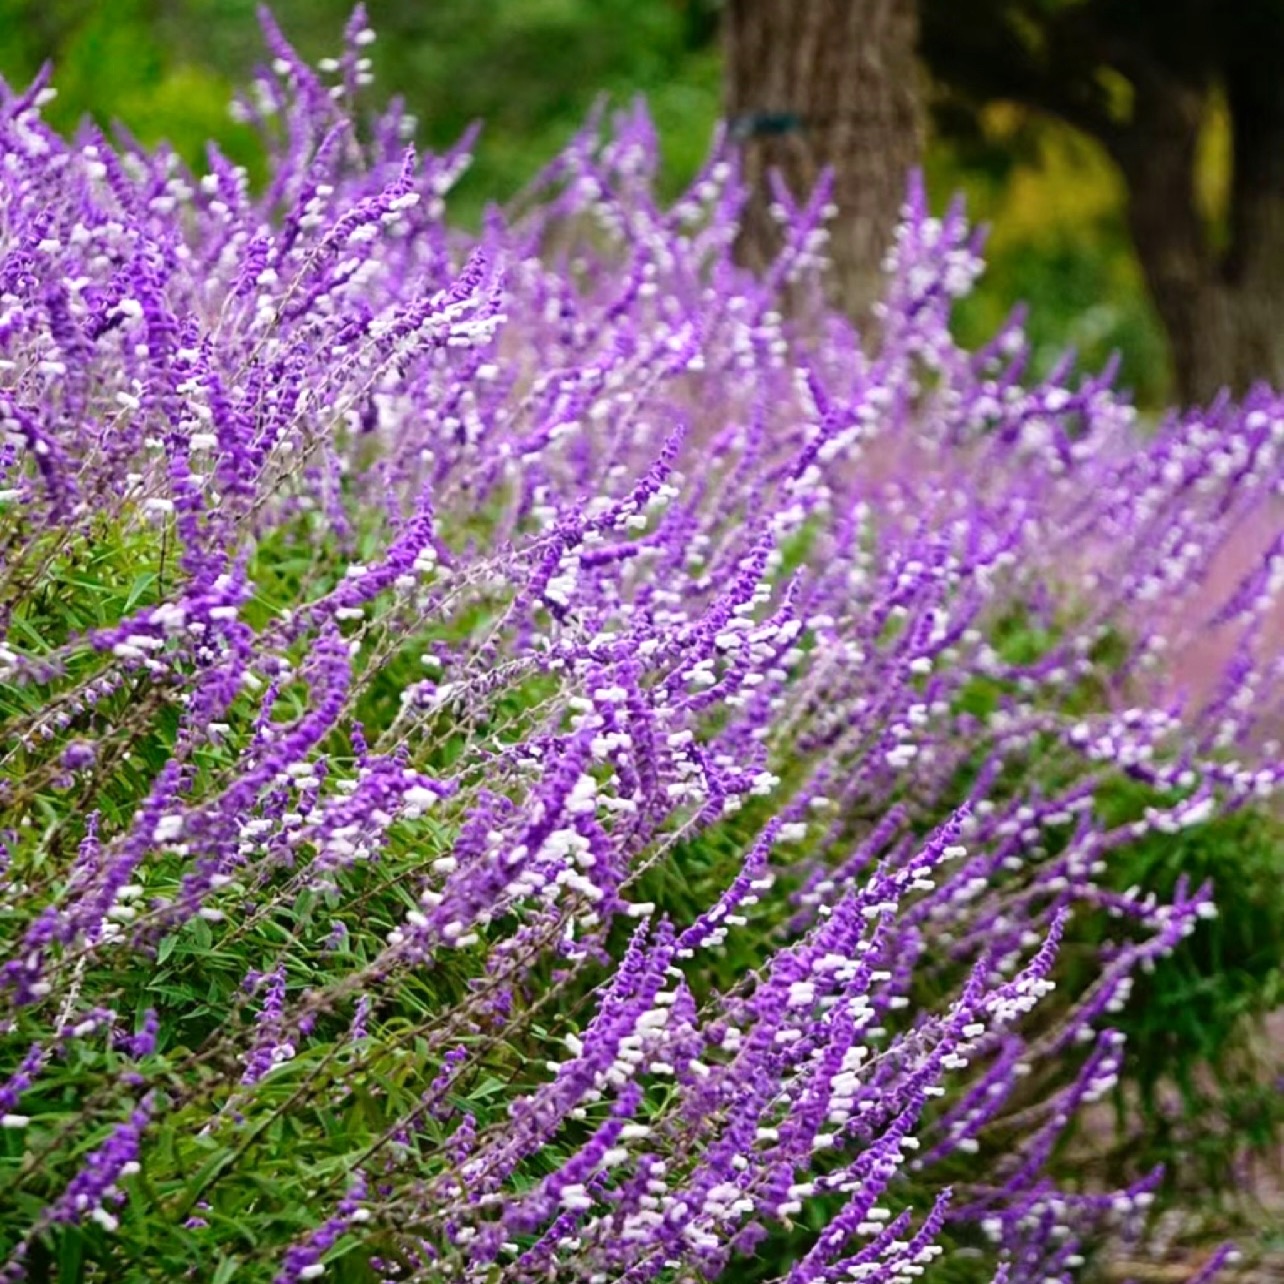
(590, 685)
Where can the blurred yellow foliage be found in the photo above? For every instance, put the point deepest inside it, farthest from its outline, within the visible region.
(1213, 171)
(1063, 198)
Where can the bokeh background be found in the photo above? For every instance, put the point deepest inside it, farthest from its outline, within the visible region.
(531, 70)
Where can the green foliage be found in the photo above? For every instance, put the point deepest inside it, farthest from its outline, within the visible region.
(312, 1119)
(1190, 1082)
(1201, 1092)
(1058, 241)
(1198, 1093)
(531, 69)
(1150, 83)
(117, 63)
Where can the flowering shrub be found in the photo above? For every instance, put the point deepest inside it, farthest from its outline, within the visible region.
(520, 762)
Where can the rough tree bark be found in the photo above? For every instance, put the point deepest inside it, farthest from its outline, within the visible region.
(817, 83)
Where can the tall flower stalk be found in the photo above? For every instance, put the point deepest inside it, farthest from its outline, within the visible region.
(520, 760)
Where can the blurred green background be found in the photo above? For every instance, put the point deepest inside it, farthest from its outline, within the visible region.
(530, 69)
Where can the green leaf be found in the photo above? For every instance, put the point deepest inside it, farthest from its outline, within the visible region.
(140, 586)
(71, 1258)
(225, 1271)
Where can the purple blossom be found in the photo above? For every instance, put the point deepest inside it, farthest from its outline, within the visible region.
(509, 578)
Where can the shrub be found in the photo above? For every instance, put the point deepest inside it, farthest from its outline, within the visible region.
(522, 762)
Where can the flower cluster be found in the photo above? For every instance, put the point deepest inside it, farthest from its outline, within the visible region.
(522, 759)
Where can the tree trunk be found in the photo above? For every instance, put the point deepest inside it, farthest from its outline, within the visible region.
(1254, 267)
(1223, 313)
(812, 84)
(1157, 154)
